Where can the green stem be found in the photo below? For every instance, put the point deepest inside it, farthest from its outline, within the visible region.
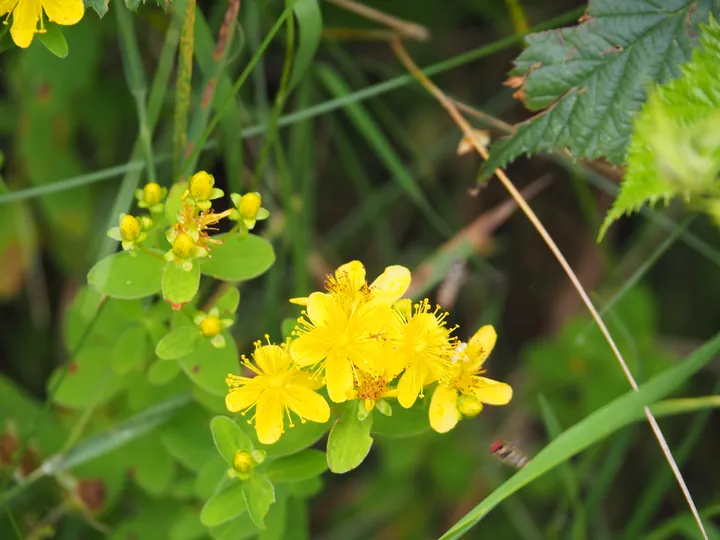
(183, 88)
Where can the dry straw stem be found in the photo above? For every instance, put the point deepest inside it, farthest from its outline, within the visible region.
(404, 28)
(467, 130)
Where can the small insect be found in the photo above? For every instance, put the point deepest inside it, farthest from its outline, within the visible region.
(509, 454)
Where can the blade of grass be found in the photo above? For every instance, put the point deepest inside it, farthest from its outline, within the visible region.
(135, 165)
(673, 526)
(310, 25)
(595, 427)
(379, 143)
(183, 88)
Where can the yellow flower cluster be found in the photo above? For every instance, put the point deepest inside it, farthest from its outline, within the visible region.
(364, 341)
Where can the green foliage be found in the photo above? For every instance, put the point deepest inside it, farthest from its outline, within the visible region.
(179, 285)
(239, 258)
(297, 467)
(54, 40)
(178, 342)
(592, 78)
(349, 441)
(128, 274)
(229, 438)
(259, 495)
(224, 505)
(675, 148)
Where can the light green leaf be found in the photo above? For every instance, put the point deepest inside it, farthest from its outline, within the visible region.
(188, 438)
(238, 528)
(178, 342)
(229, 438)
(675, 148)
(403, 422)
(130, 351)
(208, 477)
(591, 79)
(306, 489)
(226, 504)
(152, 467)
(259, 495)
(208, 366)
(309, 18)
(54, 40)
(276, 521)
(128, 275)
(300, 466)
(349, 441)
(229, 301)
(161, 372)
(595, 427)
(238, 258)
(187, 526)
(179, 285)
(174, 203)
(292, 441)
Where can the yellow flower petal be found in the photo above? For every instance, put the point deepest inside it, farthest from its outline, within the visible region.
(304, 379)
(272, 359)
(391, 284)
(354, 272)
(480, 346)
(307, 404)
(319, 308)
(64, 12)
(492, 392)
(307, 350)
(338, 377)
(6, 6)
(410, 385)
(443, 413)
(240, 399)
(25, 20)
(300, 301)
(269, 417)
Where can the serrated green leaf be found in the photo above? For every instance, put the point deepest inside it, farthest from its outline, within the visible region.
(179, 285)
(238, 258)
(226, 504)
(229, 301)
(100, 6)
(178, 342)
(298, 467)
(309, 18)
(349, 441)
(675, 148)
(259, 496)
(130, 351)
(127, 275)
(161, 372)
(133, 5)
(229, 438)
(208, 366)
(592, 78)
(54, 40)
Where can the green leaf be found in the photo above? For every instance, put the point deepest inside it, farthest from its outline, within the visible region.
(229, 438)
(100, 6)
(276, 521)
(150, 465)
(179, 285)
(178, 342)
(229, 301)
(208, 477)
(300, 466)
(208, 366)
(403, 422)
(595, 427)
(287, 326)
(130, 351)
(161, 372)
(187, 526)
(238, 528)
(226, 504)
(173, 203)
(259, 495)
(128, 275)
(188, 438)
(238, 259)
(309, 18)
(292, 441)
(54, 40)
(349, 441)
(675, 148)
(591, 79)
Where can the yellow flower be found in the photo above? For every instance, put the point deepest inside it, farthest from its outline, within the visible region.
(248, 209)
(210, 325)
(130, 230)
(343, 330)
(202, 190)
(372, 390)
(465, 391)
(422, 345)
(151, 197)
(277, 388)
(185, 247)
(28, 13)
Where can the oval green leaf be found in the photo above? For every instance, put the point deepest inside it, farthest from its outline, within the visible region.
(127, 275)
(208, 366)
(229, 301)
(259, 495)
(224, 505)
(173, 203)
(179, 285)
(179, 342)
(161, 373)
(130, 351)
(238, 258)
(403, 422)
(293, 440)
(298, 467)
(349, 441)
(54, 40)
(208, 478)
(229, 438)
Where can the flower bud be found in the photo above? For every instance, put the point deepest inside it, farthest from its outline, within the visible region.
(201, 186)
(210, 326)
(129, 228)
(249, 205)
(152, 193)
(469, 405)
(183, 245)
(243, 463)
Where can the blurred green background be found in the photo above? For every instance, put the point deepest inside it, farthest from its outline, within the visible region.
(378, 180)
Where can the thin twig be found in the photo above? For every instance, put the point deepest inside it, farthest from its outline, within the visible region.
(406, 28)
(465, 127)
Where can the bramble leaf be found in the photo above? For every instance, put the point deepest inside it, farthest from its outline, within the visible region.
(591, 79)
(675, 149)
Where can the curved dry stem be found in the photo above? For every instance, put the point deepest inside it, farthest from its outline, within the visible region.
(466, 128)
